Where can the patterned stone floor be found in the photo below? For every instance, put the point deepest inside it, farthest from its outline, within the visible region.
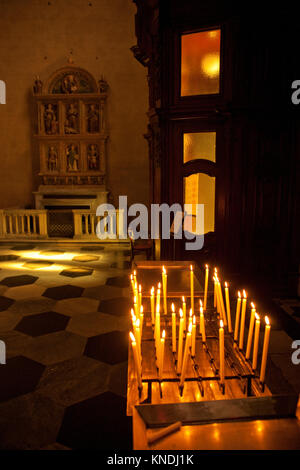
(64, 319)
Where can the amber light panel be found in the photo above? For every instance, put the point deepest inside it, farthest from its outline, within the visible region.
(200, 63)
(199, 188)
(200, 145)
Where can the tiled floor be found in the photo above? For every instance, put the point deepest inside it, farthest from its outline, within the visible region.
(64, 319)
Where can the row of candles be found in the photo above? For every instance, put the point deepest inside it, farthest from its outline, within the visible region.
(183, 351)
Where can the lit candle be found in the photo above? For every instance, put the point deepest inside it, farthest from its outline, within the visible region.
(194, 337)
(140, 297)
(221, 348)
(250, 332)
(256, 340)
(192, 287)
(137, 361)
(132, 282)
(158, 296)
(141, 319)
(206, 286)
(161, 354)
(186, 355)
(157, 331)
(191, 316)
(221, 302)
(173, 328)
(265, 350)
(237, 317)
(152, 305)
(180, 342)
(135, 305)
(243, 316)
(202, 325)
(138, 338)
(228, 307)
(184, 313)
(164, 283)
(134, 277)
(215, 286)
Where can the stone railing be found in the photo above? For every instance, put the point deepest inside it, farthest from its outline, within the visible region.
(86, 221)
(16, 223)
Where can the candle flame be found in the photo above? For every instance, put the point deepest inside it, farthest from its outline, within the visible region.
(216, 270)
(164, 270)
(201, 310)
(134, 272)
(183, 299)
(137, 323)
(173, 307)
(141, 309)
(131, 277)
(157, 308)
(190, 328)
(191, 312)
(267, 320)
(226, 285)
(132, 337)
(163, 334)
(252, 305)
(221, 323)
(159, 284)
(191, 267)
(244, 294)
(200, 301)
(132, 311)
(257, 316)
(180, 312)
(239, 294)
(152, 290)
(134, 299)
(206, 266)
(194, 320)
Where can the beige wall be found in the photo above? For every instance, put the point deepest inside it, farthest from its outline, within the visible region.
(35, 39)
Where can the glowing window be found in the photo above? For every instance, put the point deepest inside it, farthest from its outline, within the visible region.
(199, 188)
(200, 63)
(199, 145)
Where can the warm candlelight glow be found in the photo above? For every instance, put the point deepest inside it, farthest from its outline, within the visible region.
(132, 337)
(173, 307)
(244, 294)
(252, 305)
(180, 313)
(152, 290)
(164, 270)
(226, 285)
(239, 294)
(191, 267)
(221, 324)
(163, 335)
(267, 320)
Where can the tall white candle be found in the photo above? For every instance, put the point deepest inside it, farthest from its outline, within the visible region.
(180, 342)
(206, 286)
(215, 286)
(256, 341)
(192, 287)
(173, 328)
(164, 283)
(186, 356)
(265, 351)
(137, 361)
(228, 308)
(222, 353)
(202, 325)
(237, 317)
(193, 350)
(161, 354)
(158, 296)
(243, 317)
(221, 302)
(152, 305)
(250, 332)
(140, 297)
(184, 312)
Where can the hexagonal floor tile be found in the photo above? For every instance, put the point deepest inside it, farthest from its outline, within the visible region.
(5, 303)
(23, 247)
(29, 306)
(110, 348)
(118, 379)
(25, 292)
(42, 323)
(63, 292)
(55, 347)
(105, 292)
(97, 423)
(80, 305)
(52, 252)
(118, 281)
(18, 376)
(91, 324)
(22, 280)
(117, 306)
(37, 264)
(76, 272)
(76, 379)
(85, 258)
(8, 257)
(29, 422)
(8, 320)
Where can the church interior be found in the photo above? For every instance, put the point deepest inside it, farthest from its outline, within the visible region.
(141, 343)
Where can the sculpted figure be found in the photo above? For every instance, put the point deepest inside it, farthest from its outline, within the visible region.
(38, 84)
(71, 124)
(72, 158)
(69, 83)
(48, 118)
(93, 119)
(52, 158)
(93, 157)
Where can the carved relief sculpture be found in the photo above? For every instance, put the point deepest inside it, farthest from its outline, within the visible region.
(38, 85)
(52, 158)
(51, 125)
(72, 155)
(93, 119)
(71, 123)
(70, 84)
(93, 157)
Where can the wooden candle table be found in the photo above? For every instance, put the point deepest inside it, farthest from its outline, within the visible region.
(215, 384)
